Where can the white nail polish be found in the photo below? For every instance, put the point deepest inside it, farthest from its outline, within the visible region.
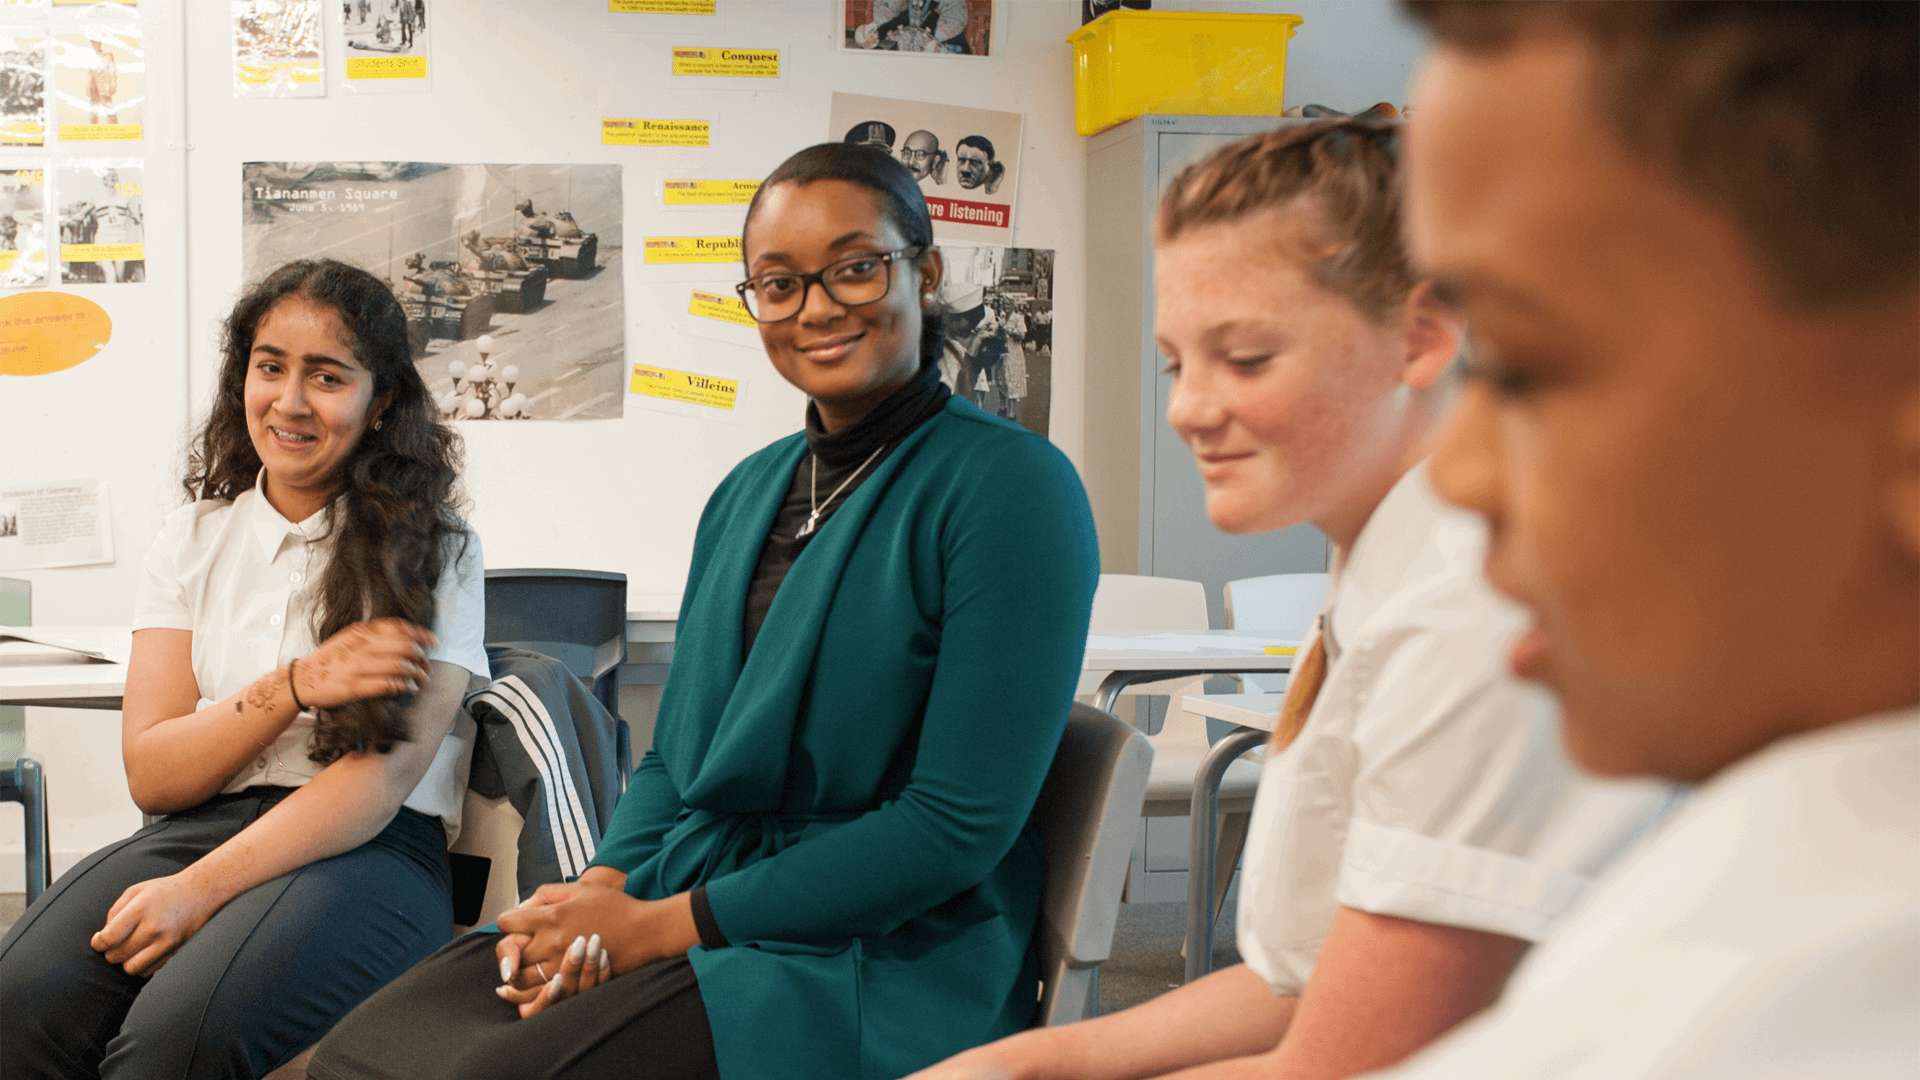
(593, 945)
(606, 963)
(506, 969)
(553, 988)
(577, 950)
(501, 990)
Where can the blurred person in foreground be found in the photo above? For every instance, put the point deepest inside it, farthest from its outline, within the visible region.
(1685, 236)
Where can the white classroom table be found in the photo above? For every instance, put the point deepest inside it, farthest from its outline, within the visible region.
(1218, 652)
(34, 674)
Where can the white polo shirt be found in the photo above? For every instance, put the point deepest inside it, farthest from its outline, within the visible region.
(1426, 783)
(1771, 931)
(241, 578)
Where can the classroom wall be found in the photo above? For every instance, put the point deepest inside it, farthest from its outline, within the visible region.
(528, 81)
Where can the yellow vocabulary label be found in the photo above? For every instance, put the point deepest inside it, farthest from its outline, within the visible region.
(386, 67)
(24, 132)
(7, 259)
(743, 63)
(693, 249)
(98, 132)
(655, 132)
(1282, 650)
(82, 253)
(299, 71)
(684, 386)
(662, 7)
(723, 308)
(709, 192)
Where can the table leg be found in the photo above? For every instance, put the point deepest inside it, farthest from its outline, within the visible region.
(1117, 681)
(1201, 840)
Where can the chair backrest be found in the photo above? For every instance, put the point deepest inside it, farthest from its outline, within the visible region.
(16, 602)
(578, 617)
(16, 609)
(1133, 604)
(1285, 604)
(1087, 814)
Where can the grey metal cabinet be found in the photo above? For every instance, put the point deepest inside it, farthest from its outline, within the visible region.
(1148, 500)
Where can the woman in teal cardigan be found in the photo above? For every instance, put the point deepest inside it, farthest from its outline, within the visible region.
(825, 866)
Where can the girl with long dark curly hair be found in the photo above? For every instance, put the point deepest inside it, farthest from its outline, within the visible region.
(300, 862)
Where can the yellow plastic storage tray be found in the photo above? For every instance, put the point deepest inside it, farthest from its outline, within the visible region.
(1129, 63)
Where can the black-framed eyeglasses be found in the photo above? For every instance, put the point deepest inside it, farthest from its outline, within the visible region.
(855, 280)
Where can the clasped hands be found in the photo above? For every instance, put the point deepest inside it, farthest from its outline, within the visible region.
(568, 939)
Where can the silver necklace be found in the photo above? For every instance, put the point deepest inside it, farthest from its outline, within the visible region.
(813, 490)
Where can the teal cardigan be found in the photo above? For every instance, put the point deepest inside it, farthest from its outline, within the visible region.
(856, 796)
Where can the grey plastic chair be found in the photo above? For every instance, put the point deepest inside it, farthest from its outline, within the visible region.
(1087, 814)
(22, 778)
(578, 617)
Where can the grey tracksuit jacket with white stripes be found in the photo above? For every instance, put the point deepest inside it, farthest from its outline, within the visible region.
(555, 753)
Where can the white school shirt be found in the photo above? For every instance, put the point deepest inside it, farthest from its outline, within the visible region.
(1770, 931)
(241, 578)
(1427, 783)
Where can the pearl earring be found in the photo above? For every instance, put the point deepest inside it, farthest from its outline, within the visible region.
(378, 424)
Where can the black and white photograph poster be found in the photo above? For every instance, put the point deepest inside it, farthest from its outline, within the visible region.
(23, 88)
(509, 274)
(103, 220)
(998, 304)
(1093, 9)
(382, 46)
(967, 160)
(921, 27)
(23, 228)
(99, 80)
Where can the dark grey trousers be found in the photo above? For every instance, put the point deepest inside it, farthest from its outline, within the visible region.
(266, 977)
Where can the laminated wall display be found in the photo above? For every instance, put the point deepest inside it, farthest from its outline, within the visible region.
(23, 87)
(967, 160)
(382, 45)
(277, 49)
(510, 274)
(920, 27)
(62, 523)
(99, 83)
(997, 305)
(23, 226)
(102, 220)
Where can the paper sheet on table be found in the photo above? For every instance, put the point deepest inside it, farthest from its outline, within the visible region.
(112, 645)
(1187, 643)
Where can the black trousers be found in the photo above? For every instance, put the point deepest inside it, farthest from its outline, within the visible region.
(261, 981)
(442, 1019)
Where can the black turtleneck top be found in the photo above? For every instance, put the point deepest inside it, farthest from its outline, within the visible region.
(838, 456)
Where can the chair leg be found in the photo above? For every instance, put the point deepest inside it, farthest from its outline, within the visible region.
(32, 780)
(1233, 838)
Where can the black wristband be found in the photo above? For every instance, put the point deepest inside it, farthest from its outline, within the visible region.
(703, 920)
(290, 687)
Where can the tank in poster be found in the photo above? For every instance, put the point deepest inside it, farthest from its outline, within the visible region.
(23, 88)
(510, 274)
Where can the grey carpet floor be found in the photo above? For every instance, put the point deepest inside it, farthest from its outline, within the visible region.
(1146, 959)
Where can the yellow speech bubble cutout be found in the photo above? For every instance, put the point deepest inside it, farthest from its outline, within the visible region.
(42, 332)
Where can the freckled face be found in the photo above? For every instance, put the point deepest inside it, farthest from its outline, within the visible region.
(307, 399)
(1280, 388)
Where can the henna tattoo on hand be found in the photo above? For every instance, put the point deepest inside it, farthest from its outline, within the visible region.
(261, 694)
